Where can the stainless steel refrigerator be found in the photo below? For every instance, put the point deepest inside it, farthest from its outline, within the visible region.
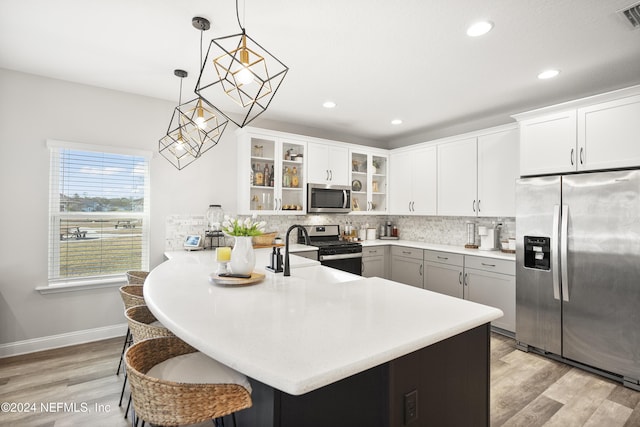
(578, 270)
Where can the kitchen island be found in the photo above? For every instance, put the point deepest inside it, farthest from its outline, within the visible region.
(324, 347)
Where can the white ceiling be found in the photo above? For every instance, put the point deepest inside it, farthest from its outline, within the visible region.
(378, 60)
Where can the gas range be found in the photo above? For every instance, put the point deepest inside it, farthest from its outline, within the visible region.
(327, 239)
(332, 251)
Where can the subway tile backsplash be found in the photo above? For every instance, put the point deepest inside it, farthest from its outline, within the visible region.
(430, 229)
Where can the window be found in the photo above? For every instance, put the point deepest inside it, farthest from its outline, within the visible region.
(98, 213)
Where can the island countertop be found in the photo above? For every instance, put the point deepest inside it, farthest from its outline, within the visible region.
(303, 332)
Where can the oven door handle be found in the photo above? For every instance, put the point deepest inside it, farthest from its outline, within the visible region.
(340, 256)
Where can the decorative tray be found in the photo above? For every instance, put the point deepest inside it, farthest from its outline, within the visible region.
(235, 281)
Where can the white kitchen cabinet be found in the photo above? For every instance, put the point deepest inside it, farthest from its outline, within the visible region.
(498, 170)
(369, 172)
(457, 178)
(407, 266)
(327, 164)
(594, 133)
(375, 261)
(548, 144)
(608, 134)
(413, 181)
(476, 175)
(492, 282)
(286, 192)
(443, 273)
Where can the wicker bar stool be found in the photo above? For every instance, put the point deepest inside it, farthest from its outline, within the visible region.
(131, 296)
(143, 325)
(173, 384)
(136, 277)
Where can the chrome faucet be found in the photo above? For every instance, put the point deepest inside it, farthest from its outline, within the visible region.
(307, 240)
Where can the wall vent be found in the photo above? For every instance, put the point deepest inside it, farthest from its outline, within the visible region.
(632, 14)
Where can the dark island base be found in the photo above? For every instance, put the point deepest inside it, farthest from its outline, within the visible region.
(451, 379)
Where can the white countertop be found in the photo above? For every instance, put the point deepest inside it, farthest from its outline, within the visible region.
(444, 248)
(262, 256)
(306, 331)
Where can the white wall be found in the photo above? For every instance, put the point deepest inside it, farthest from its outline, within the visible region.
(33, 109)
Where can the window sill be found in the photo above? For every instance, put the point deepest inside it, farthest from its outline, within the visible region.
(83, 285)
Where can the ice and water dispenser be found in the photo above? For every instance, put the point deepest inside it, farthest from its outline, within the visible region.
(537, 252)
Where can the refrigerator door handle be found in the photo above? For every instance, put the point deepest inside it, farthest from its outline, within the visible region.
(563, 252)
(555, 264)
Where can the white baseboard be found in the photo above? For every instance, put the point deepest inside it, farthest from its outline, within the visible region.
(62, 340)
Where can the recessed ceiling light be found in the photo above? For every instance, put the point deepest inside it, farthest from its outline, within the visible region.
(329, 104)
(479, 28)
(396, 122)
(548, 74)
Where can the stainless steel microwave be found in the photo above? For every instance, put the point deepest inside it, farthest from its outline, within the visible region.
(324, 198)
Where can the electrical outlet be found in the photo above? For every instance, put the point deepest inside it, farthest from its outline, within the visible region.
(410, 407)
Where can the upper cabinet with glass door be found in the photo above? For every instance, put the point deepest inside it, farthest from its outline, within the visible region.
(270, 173)
(369, 171)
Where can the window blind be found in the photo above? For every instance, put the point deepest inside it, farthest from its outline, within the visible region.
(98, 212)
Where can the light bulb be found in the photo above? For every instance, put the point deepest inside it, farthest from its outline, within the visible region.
(200, 121)
(180, 142)
(244, 76)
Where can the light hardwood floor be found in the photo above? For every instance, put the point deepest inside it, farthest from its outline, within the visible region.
(526, 390)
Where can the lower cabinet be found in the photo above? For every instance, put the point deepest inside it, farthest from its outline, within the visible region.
(479, 279)
(492, 282)
(407, 265)
(375, 261)
(487, 281)
(443, 273)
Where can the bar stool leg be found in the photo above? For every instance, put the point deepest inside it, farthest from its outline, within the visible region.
(124, 385)
(127, 342)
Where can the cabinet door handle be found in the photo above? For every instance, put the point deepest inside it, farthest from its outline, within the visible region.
(413, 206)
(478, 205)
(488, 265)
(330, 175)
(460, 278)
(466, 279)
(407, 253)
(572, 157)
(443, 257)
(327, 178)
(581, 157)
(409, 206)
(421, 269)
(473, 206)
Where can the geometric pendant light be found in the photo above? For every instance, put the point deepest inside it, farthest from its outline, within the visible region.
(195, 127)
(239, 77)
(203, 123)
(178, 146)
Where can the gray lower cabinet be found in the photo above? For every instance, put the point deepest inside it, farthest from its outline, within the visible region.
(492, 282)
(407, 266)
(479, 279)
(375, 261)
(443, 273)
